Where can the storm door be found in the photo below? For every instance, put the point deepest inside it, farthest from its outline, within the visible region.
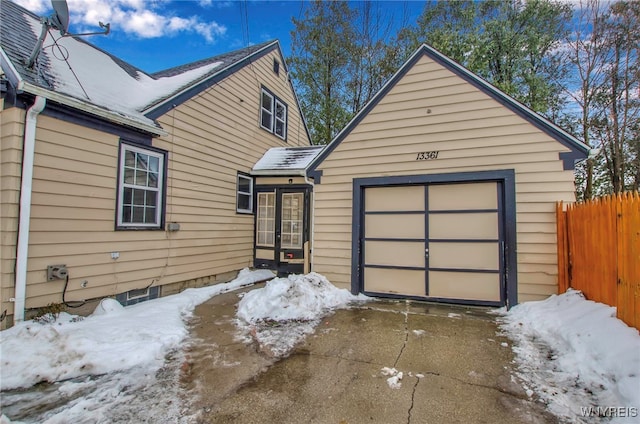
(281, 229)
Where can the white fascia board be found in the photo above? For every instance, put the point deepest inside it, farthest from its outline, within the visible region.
(8, 68)
(89, 108)
(278, 173)
(190, 86)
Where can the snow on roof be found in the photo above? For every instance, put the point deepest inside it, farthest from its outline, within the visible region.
(287, 159)
(91, 75)
(73, 72)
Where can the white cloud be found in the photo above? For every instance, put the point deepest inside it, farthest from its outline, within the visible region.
(210, 30)
(141, 18)
(36, 6)
(217, 3)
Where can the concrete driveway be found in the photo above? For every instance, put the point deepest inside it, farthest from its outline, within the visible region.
(455, 367)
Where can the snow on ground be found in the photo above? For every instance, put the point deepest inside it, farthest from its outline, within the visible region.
(282, 313)
(396, 376)
(574, 353)
(115, 357)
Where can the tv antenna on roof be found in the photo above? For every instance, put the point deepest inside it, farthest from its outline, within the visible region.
(60, 21)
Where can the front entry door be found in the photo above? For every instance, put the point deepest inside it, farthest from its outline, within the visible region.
(281, 238)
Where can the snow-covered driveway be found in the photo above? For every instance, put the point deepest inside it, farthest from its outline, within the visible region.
(156, 362)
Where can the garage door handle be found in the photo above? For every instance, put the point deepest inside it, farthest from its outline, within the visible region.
(426, 253)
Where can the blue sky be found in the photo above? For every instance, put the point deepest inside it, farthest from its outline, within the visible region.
(159, 34)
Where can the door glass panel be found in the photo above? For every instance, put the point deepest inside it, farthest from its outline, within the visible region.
(265, 220)
(292, 204)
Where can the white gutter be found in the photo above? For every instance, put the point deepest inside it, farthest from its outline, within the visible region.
(116, 117)
(278, 173)
(28, 153)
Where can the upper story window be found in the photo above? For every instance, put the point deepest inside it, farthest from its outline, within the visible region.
(140, 187)
(273, 114)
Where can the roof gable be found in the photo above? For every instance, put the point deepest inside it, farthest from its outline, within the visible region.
(578, 150)
(229, 63)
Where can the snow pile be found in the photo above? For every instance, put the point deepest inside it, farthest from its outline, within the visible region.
(396, 376)
(282, 313)
(112, 339)
(575, 354)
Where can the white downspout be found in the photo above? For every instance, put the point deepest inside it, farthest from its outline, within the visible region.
(313, 218)
(28, 154)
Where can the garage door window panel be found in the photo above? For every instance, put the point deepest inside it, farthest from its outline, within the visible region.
(395, 199)
(395, 253)
(467, 256)
(472, 196)
(463, 285)
(464, 226)
(394, 281)
(395, 226)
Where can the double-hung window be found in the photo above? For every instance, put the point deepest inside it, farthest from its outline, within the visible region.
(273, 114)
(244, 198)
(141, 187)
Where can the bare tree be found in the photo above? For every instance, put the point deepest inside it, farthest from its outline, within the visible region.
(586, 51)
(619, 114)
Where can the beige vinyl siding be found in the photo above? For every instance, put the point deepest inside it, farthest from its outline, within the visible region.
(11, 137)
(432, 109)
(212, 137)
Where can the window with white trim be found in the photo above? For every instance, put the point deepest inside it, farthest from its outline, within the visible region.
(273, 114)
(266, 219)
(244, 199)
(266, 111)
(140, 188)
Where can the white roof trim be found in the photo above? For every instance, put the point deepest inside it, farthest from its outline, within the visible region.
(190, 86)
(9, 69)
(278, 172)
(87, 107)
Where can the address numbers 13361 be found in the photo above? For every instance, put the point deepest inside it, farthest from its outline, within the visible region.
(428, 155)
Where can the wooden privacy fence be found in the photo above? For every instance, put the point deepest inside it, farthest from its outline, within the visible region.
(599, 252)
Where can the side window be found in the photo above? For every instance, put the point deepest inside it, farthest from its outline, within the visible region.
(141, 188)
(244, 198)
(266, 111)
(281, 120)
(273, 114)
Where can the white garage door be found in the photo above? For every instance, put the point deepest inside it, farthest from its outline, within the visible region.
(437, 241)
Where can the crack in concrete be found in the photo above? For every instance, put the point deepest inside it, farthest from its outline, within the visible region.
(308, 353)
(406, 335)
(413, 395)
(485, 386)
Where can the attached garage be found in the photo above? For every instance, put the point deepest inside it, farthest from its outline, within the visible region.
(443, 188)
(441, 238)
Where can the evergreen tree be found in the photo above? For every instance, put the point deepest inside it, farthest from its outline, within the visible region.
(321, 45)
